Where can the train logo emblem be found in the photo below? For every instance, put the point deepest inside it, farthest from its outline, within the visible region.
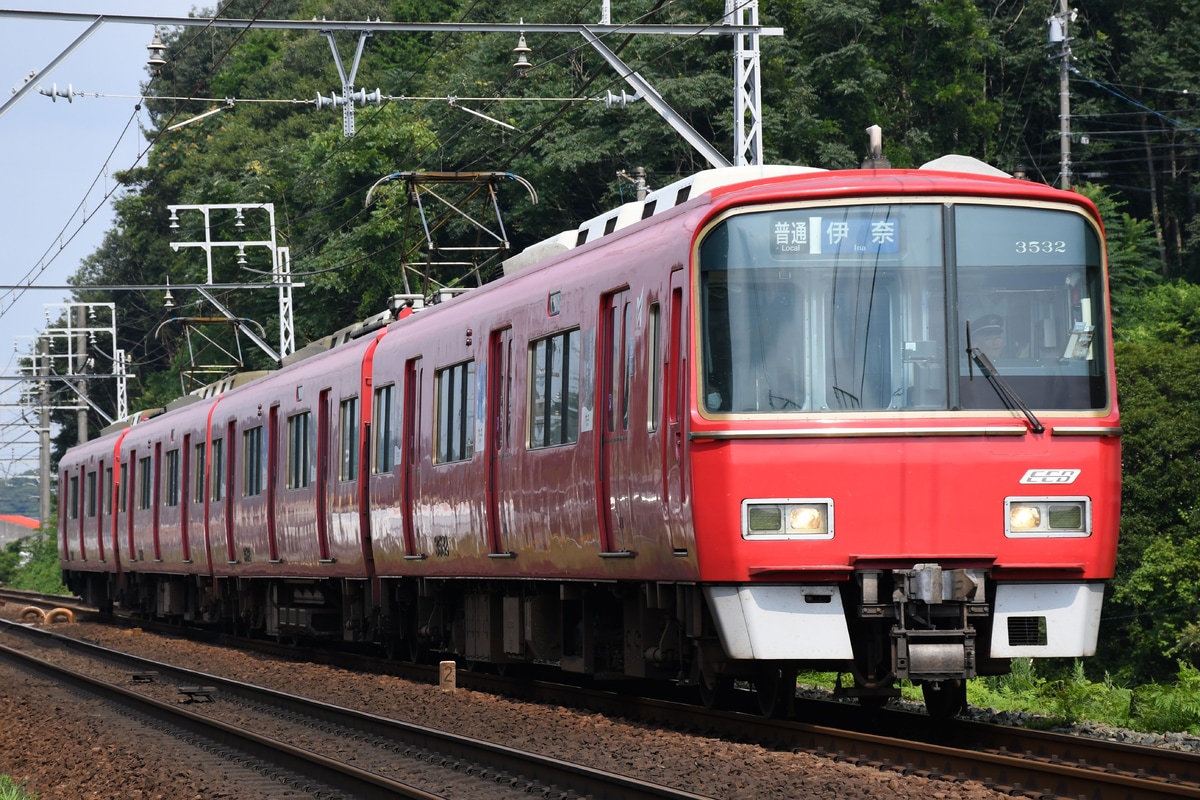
(1059, 476)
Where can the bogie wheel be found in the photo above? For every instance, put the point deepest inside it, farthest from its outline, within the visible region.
(718, 693)
(418, 651)
(775, 689)
(944, 699)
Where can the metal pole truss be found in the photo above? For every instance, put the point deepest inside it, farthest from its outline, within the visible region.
(747, 83)
(491, 243)
(740, 22)
(80, 343)
(281, 279)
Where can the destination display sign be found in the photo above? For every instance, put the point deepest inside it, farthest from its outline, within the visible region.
(797, 236)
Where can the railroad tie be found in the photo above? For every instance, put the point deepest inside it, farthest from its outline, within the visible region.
(197, 694)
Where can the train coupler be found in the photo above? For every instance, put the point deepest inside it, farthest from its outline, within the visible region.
(933, 655)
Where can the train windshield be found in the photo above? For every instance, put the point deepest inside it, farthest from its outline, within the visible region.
(874, 307)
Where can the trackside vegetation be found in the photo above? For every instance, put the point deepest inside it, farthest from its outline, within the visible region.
(11, 790)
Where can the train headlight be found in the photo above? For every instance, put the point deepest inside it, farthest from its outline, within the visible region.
(1047, 517)
(787, 518)
(1024, 518)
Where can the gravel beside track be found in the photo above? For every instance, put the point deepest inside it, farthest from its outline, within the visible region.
(65, 747)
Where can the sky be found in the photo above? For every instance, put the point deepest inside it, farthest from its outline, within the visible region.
(56, 165)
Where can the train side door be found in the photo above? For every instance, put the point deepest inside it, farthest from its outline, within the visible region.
(500, 438)
(156, 500)
(129, 493)
(231, 464)
(413, 375)
(617, 339)
(324, 434)
(272, 482)
(675, 381)
(184, 496)
(101, 511)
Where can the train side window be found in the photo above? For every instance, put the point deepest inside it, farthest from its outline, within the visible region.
(554, 390)
(145, 482)
(382, 446)
(348, 438)
(252, 462)
(172, 494)
(122, 487)
(107, 495)
(198, 473)
(455, 402)
(299, 457)
(89, 495)
(218, 469)
(73, 497)
(654, 372)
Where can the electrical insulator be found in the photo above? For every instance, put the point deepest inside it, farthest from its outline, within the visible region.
(54, 93)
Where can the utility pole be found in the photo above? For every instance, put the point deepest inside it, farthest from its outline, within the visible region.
(747, 85)
(1058, 34)
(80, 368)
(44, 431)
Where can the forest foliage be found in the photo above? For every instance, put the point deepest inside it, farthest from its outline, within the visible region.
(968, 76)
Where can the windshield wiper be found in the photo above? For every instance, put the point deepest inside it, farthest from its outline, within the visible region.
(1010, 398)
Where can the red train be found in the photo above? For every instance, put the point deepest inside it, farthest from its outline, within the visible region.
(768, 418)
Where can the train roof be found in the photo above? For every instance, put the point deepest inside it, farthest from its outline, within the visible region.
(679, 192)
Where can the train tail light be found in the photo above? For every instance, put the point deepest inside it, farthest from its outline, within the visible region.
(787, 518)
(1047, 517)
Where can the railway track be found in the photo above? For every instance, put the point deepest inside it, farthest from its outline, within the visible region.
(319, 740)
(1016, 761)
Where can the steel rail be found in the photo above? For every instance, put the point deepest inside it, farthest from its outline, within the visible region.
(303, 762)
(1003, 757)
(546, 770)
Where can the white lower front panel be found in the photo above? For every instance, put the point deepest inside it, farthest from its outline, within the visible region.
(780, 622)
(1065, 616)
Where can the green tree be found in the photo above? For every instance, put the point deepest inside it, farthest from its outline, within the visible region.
(39, 571)
(1132, 260)
(1155, 592)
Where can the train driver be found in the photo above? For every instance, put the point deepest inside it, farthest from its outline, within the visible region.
(987, 333)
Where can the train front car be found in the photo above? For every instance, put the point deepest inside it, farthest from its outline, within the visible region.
(905, 447)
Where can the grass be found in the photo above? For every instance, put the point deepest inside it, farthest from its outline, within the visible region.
(11, 790)
(1152, 708)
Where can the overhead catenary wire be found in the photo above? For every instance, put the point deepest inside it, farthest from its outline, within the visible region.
(195, 97)
(50, 255)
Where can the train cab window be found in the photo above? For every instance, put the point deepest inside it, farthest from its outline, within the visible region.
(253, 463)
(823, 309)
(73, 497)
(299, 455)
(171, 495)
(455, 402)
(554, 390)
(1030, 294)
(145, 483)
(348, 438)
(199, 472)
(89, 495)
(383, 456)
(218, 469)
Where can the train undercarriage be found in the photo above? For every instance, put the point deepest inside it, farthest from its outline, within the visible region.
(925, 624)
